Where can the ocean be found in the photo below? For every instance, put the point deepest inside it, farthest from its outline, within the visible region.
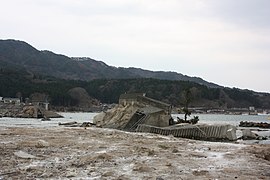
(81, 117)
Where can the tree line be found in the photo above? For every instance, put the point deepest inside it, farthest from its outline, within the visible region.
(108, 90)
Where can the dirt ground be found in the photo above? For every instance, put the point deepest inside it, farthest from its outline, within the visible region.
(94, 153)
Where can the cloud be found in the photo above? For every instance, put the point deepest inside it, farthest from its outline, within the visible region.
(248, 13)
(195, 37)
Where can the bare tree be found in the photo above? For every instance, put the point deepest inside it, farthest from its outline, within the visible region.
(187, 98)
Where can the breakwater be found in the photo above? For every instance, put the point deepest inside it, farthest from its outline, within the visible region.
(202, 132)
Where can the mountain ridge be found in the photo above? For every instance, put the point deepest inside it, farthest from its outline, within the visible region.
(25, 71)
(22, 55)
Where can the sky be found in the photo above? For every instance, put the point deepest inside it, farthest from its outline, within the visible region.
(226, 42)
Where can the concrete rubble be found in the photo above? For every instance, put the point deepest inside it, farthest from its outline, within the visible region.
(27, 111)
(138, 113)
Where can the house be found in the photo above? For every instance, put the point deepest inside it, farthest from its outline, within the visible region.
(42, 104)
(40, 100)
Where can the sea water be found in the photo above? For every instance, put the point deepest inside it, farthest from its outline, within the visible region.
(227, 119)
(81, 117)
(78, 117)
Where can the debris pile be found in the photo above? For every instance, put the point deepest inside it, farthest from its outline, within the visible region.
(254, 124)
(132, 110)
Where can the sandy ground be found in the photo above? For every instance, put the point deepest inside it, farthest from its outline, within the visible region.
(93, 153)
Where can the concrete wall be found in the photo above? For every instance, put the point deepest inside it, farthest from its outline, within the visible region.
(155, 103)
(157, 119)
(138, 98)
(206, 132)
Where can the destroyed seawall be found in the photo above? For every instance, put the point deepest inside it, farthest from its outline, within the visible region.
(202, 132)
(138, 113)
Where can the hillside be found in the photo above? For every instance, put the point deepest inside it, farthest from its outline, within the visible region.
(73, 93)
(70, 81)
(19, 54)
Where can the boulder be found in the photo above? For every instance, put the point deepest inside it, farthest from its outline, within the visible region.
(24, 155)
(248, 134)
(41, 144)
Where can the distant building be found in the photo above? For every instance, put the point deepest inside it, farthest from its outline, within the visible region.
(44, 104)
(12, 100)
(130, 98)
(252, 108)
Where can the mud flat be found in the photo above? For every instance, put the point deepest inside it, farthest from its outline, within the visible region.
(95, 153)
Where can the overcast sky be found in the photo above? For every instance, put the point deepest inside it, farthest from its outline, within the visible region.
(222, 41)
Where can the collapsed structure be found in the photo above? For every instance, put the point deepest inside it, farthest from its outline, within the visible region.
(138, 113)
(135, 109)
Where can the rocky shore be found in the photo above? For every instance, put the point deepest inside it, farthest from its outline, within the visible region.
(100, 153)
(254, 124)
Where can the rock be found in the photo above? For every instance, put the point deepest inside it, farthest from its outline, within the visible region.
(51, 114)
(159, 178)
(254, 124)
(200, 172)
(67, 123)
(87, 124)
(98, 119)
(231, 134)
(24, 155)
(247, 134)
(108, 174)
(45, 119)
(70, 172)
(267, 157)
(42, 144)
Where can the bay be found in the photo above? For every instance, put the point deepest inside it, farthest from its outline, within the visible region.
(227, 119)
(81, 117)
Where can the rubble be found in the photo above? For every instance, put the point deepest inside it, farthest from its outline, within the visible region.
(28, 111)
(254, 124)
(132, 110)
(24, 155)
(137, 113)
(100, 153)
(202, 132)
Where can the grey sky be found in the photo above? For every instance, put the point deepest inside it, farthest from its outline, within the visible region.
(223, 41)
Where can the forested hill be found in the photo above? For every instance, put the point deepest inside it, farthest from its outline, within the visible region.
(25, 71)
(14, 82)
(20, 55)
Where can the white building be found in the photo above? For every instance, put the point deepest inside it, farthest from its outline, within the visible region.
(12, 100)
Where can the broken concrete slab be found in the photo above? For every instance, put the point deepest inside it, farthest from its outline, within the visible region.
(203, 132)
(24, 155)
